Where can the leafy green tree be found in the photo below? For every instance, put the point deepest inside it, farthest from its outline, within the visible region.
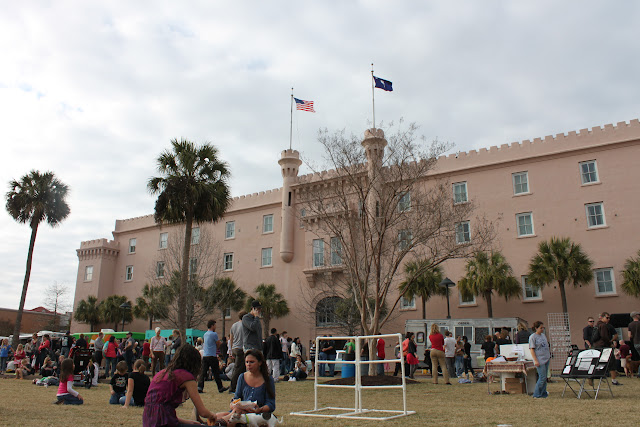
(563, 261)
(111, 312)
(422, 280)
(88, 311)
(35, 198)
(152, 305)
(192, 187)
(223, 294)
(273, 304)
(631, 276)
(488, 274)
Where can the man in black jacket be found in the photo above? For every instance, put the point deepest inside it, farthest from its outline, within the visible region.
(273, 353)
(587, 333)
(607, 334)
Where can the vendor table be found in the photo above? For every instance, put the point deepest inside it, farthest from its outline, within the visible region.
(509, 370)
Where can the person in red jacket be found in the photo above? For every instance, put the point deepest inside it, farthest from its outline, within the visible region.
(43, 350)
(437, 354)
(146, 352)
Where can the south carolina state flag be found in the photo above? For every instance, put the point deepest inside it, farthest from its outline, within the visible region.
(383, 84)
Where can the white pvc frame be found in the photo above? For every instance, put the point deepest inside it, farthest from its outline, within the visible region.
(357, 412)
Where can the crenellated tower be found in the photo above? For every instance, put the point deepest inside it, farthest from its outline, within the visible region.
(374, 144)
(289, 163)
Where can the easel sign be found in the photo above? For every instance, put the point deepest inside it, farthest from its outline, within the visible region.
(587, 365)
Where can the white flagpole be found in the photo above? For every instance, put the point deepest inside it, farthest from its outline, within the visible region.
(373, 97)
(291, 121)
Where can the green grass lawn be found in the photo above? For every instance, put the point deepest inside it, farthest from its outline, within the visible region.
(24, 404)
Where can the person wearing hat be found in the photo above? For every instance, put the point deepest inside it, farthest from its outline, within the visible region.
(157, 345)
(252, 328)
(128, 351)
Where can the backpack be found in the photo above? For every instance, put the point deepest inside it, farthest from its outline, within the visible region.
(595, 335)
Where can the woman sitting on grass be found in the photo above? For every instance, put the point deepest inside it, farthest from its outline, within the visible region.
(171, 386)
(48, 369)
(299, 369)
(66, 394)
(137, 386)
(23, 369)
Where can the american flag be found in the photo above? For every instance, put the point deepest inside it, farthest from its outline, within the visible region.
(304, 105)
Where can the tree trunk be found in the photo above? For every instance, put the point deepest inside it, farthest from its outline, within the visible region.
(424, 307)
(184, 277)
(487, 297)
(25, 285)
(224, 329)
(150, 322)
(563, 296)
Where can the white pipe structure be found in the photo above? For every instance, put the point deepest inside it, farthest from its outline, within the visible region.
(357, 412)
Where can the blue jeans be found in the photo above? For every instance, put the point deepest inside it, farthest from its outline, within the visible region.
(3, 363)
(68, 399)
(380, 366)
(541, 385)
(110, 366)
(115, 398)
(364, 369)
(131, 402)
(459, 365)
(332, 366)
(322, 366)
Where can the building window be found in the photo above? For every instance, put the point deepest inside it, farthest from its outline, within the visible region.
(318, 253)
(132, 246)
(160, 269)
(595, 214)
(128, 274)
(524, 222)
(407, 304)
(230, 230)
(195, 236)
(267, 224)
(588, 172)
(404, 202)
(529, 292)
(228, 262)
(227, 313)
(471, 300)
(605, 284)
(326, 311)
(460, 192)
(266, 257)
(336, 251)
(404, 239)
(193, 267)
(88, 273)
(164, 240)
(520, 182)
(463, 232)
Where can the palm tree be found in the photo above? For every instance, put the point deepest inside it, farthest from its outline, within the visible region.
(151, 305)
(486, 274)
(273, 304)
(631, 275)
(88, 311)
(193, 187)
(223, 294)
(111, 312)
(35, 198)
(563, 261)
(422, 279)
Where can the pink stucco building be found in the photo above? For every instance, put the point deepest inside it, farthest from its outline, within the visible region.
(581, 185)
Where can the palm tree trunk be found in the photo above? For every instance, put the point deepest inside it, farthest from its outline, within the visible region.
(487, 297)
(424, 307)
(25, 285)
(184, 277)
(563, 296)
(150, 322)
(224, 329)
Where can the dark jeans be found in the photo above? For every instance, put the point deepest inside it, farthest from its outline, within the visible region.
(210, 361)
(467, 365)
(68, 399)
(129, 358)
(238, 368)
(110, 367)
(115, 398)
(98, 355)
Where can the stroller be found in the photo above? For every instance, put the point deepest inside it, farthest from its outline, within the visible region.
(82, 367)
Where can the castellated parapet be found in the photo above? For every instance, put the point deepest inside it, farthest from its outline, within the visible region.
(98, 248)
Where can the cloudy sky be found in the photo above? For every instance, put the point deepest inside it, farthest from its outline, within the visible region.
(94, 91)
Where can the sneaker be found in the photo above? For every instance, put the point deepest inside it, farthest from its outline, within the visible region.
(58, 402)
(223, 389)
(615, 382)
(200, 390)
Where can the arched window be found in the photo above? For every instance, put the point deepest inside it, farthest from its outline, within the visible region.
(326, 311)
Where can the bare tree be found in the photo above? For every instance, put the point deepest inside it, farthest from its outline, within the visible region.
(56, 299)
(377, 207)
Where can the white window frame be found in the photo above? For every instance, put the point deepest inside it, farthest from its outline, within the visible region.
(404, 202)
(193, 267)
(612, 280)
(407, 304)
(128, 273)
(462, 232)
(132, 245)
(230, 230)
(160, 269)
(514, 177)
(462, 302)
(405, 239)
(267, 257)
(584, 176)
(228, 261)
(595, 215)
(164, 241)
(524, 215)
(336, 251)
(456, 185)
(88, 273)
(195, 235)
(227, 313)
(536, 293)
(318, 253)
(267, 224)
